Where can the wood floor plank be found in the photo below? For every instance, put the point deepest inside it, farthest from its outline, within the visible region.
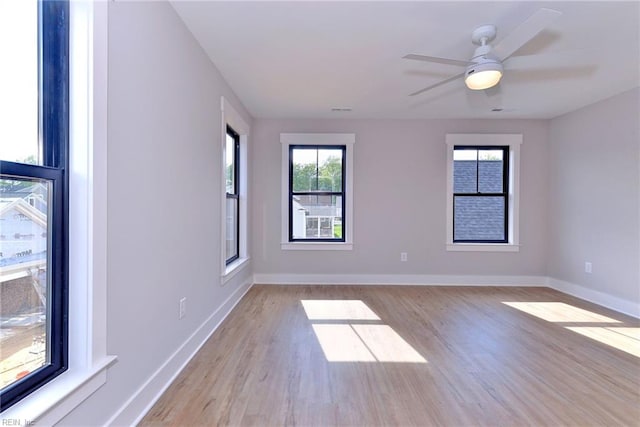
(435, 356)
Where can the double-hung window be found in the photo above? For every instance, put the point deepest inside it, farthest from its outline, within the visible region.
(317, 188)
(316, 193)
(232, 156)
(234, 191)
(482, 192)
(34, 204)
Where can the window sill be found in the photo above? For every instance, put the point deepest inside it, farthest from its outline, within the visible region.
(315, 246)
(53, 401)
(234, 268)
(482, 247)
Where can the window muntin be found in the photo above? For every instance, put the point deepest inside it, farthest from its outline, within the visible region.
(480, 194)
(232, 226)
(316, 193)
(34, 194)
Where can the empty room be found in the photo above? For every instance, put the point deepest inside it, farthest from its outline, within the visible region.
(320, 213)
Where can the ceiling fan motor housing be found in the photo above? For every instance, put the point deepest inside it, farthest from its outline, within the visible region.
(483, 64)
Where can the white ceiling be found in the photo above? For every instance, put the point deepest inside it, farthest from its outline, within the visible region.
(300, 59)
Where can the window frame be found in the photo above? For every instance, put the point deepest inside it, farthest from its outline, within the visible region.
(53, 27)
(318, 139)
(504, 194)
(293, 193)
(231, 117)
(88, 357)
(236, 193)
(513, 142)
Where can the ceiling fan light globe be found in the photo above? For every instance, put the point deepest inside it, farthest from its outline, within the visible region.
(483, 75)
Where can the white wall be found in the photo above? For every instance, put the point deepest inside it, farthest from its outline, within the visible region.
(164, 213)
(594, 199)
(399, 201)
(164, 157)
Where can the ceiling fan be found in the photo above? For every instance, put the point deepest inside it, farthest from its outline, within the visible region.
(487, 65)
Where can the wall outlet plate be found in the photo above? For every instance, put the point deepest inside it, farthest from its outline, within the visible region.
(183, 307)
(588, 268)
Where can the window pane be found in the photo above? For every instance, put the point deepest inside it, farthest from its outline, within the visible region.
(317, 169)
(231, 247)
(330, 170)
(230, 164)
(317, 217)
(465, 171)
(478, 218)
(24, 280)
(305, 172)
(490, 171)
(19, 82)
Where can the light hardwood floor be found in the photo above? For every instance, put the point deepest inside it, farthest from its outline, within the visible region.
(454, 356)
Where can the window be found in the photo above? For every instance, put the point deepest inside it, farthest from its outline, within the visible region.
(234, 138)
(317, 190)
(232, 154)
(482, 191)
(480, 196)
(316, 198)
(34, 198)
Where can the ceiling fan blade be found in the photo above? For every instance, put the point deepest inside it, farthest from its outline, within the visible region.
(437, 84)
(437, 59)
(525, 32)
(569, 58)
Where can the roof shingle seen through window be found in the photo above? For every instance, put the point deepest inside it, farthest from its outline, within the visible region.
(478, 218)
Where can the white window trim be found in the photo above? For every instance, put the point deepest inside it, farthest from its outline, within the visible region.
(88, 358)
(513, 141)
(346, 139)
(231, 117)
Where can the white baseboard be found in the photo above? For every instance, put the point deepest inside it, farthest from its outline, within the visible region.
(397, 279)
(618, 304)
(146, 396)
(614, 303)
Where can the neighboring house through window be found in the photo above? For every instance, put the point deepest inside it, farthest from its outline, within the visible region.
(482, 191)
(317, 191)
(34, 203)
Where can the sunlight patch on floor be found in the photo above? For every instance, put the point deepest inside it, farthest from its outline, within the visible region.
(386, 345)
(560, 312)
(338, 310)
(624, 339)
(344, 341)
(340, 343)
(601, 328)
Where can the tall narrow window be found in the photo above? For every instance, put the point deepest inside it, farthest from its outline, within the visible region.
(480, 194)
(33, 196)
(232, 156)
(316, 195)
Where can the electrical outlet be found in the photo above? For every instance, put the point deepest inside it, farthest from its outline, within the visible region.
(183, 307)
(403, 256)
(587, 267)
